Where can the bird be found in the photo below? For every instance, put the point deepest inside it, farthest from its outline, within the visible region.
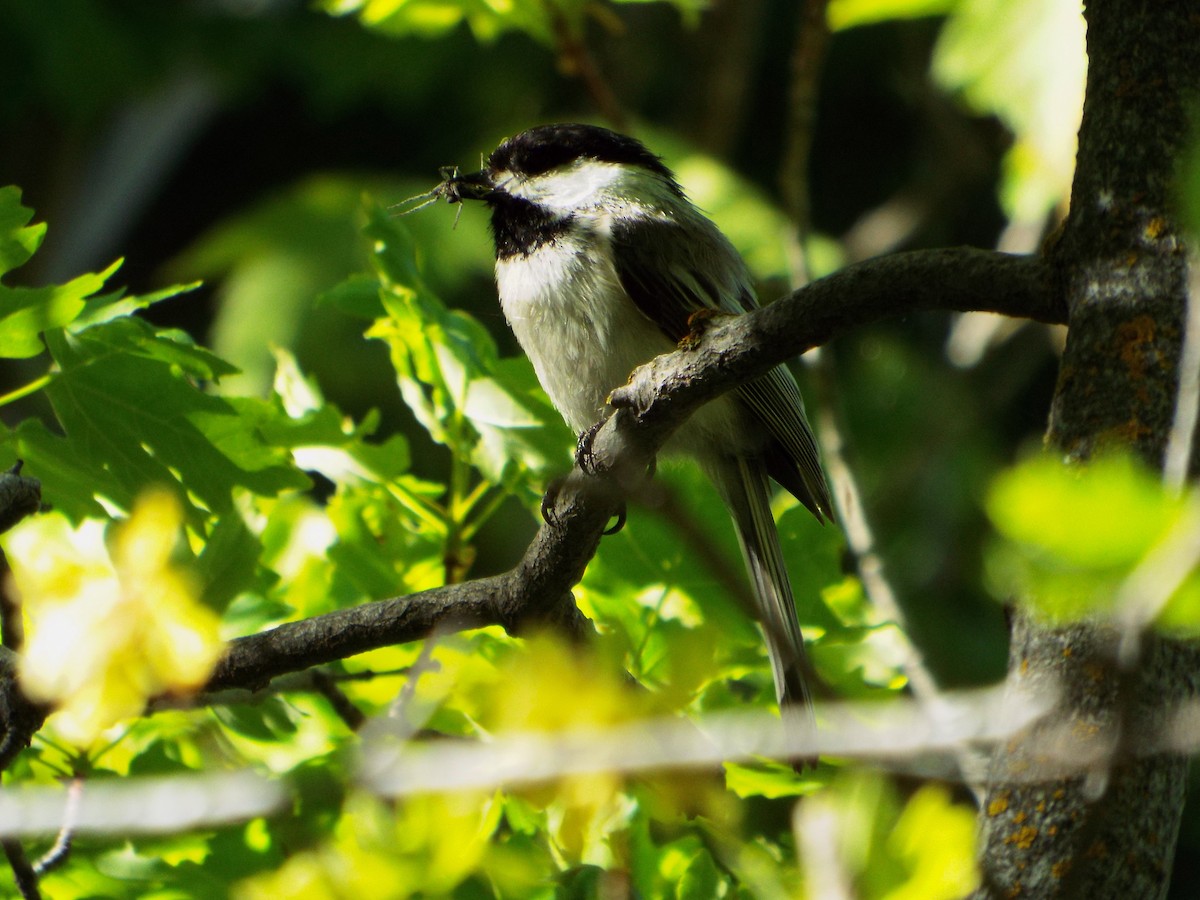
(601, 261)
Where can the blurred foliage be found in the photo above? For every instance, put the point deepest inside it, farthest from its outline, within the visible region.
(363, 427)
(1023, 62)
(921, 849)
(1188, 188)
(1073, 537)
(539, 19)
(109, 631)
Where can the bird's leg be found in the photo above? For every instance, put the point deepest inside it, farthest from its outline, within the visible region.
(698, 323)
(549, 499)
(585, 458)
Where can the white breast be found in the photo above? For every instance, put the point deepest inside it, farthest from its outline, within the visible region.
(585, 336)
(578, 327)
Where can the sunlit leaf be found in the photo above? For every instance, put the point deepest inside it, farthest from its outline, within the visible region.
(925, 850)
(427, 846)
(25, 313)
(938, 869)
(109, 628)
(18, 239)
(140, 422)
(769, 779)
(118, 304)
(1024, 61)
(844, 14)
(485, 410)
(1072, 534)
(432, 18)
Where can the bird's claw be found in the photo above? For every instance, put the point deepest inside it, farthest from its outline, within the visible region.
(585, 456)
(549, 499)
(619, 524)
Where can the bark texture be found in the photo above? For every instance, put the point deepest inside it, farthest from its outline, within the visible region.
(1120, 265)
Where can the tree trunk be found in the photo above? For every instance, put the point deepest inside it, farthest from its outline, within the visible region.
(1121, 265)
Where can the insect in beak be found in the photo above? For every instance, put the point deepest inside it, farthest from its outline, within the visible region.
(454, 187)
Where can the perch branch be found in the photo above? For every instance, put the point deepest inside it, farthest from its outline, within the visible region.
(655, 402)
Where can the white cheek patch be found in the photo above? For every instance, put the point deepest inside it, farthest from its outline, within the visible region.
(569, 188)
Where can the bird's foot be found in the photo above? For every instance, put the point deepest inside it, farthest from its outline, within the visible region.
(550, 499)
(697, 324)
(585, 455)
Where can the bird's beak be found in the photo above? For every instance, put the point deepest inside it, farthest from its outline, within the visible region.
(475, 186)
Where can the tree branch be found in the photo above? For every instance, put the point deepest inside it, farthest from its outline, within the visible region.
(658, 399)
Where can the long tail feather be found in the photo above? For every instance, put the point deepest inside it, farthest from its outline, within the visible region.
(745, 487)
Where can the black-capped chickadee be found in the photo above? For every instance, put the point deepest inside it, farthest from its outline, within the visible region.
(600, 262)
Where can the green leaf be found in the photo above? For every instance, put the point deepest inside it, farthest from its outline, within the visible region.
(433, 18)
(357, 296)
(27, 312)
(382, 549)
(1024, 61)
(659, 591)
(265, 721)
(1072, 534)
(127, 864)
(138, 421)
(105, 308)
(701, 879)
(815, 551)
(938, 869)
(1104, 513)
(18, 239)
(488, 411)
(228, 564)
(769, 779)
(137, 337)
(71, 481)
(1181, 615)
(843, 14)
(923, 850)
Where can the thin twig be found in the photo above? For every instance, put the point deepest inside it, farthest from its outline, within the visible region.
(26, 879)
(576, 59)
(342, 705)
(58, 854)
(808, 56)
(1180, 455)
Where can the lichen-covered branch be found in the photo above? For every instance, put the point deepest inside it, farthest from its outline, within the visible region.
(1120, 263)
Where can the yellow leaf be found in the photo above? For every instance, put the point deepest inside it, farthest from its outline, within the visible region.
(107, 631)
(935, 838)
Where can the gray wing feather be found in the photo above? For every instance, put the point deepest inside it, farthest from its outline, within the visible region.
(669, 273)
